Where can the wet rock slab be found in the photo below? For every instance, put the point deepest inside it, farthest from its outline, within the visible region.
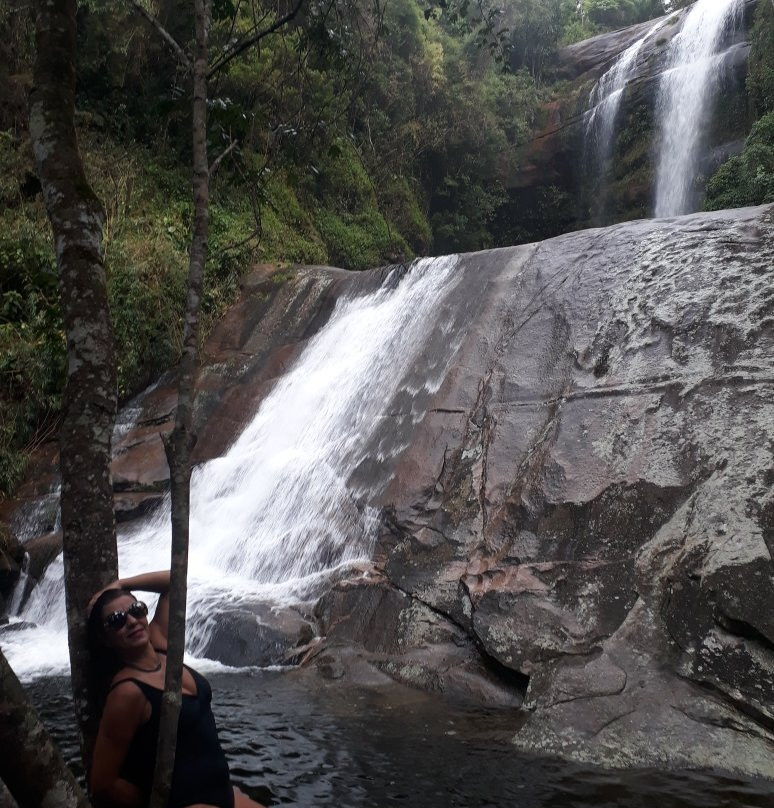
(257, 635)
(599, 520)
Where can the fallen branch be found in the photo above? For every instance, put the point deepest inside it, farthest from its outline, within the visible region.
(231, 146)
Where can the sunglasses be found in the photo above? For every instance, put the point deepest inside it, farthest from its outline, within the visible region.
(117, 620)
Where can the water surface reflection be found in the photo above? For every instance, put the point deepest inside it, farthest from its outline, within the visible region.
(294, 743)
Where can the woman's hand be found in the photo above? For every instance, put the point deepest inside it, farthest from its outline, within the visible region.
(114, 585)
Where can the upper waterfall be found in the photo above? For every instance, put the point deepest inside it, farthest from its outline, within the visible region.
(604, 103)
(685, 97)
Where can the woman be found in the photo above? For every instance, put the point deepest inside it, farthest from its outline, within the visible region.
(128, 664)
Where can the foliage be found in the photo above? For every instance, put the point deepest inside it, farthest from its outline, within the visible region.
(585, 18)
(760, 77)
(535, 28)
(748, 178)
(620, 13)
(32, 348)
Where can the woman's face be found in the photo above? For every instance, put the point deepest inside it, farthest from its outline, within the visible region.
(133, 635)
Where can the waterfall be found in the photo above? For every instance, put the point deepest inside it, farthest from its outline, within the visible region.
(285, 507)
(15, 602)
(685, 96)
(604, 103)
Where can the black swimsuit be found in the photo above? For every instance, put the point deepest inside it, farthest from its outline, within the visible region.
(201, 771)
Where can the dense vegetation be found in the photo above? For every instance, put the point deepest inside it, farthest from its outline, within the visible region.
(367, 132)
(748, 178)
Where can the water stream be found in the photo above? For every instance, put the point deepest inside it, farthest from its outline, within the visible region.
(15, 601)
(604, 104)
(285, 507)
(688, 87)
(294, 743)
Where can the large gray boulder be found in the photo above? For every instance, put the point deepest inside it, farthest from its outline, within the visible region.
(590, 498)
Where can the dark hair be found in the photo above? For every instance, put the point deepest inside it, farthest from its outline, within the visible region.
(104, 662)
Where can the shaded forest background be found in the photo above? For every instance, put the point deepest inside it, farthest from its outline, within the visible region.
(367, 132)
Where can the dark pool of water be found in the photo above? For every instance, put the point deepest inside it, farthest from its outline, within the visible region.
(294, 745)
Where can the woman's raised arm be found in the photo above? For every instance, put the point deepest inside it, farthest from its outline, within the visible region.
(154, 582)
(148, 582)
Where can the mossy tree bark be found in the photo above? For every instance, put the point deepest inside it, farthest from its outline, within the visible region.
(181, 441)
(90, 399)
(30, 765)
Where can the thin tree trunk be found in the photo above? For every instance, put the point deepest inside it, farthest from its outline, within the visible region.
(182, 439)
(90, 399)
(30, 765)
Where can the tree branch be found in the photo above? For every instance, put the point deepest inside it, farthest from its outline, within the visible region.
(166, 36)
(241, 47)
(255, 233)
(216, 163)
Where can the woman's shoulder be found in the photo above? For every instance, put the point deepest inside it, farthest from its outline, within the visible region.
(125, 687)
(126, 705)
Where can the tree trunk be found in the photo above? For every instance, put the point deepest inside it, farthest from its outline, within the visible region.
(90, 399)
(30, 765)
(182, 439)
(6, 798)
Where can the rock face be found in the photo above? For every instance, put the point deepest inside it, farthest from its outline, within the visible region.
(558, 185)
(590, 494)
(11, 556)
(583, 521)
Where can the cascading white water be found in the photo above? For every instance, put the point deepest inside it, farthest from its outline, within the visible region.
(15, 601)
(685, 96)
(605, 101)
(280, 510)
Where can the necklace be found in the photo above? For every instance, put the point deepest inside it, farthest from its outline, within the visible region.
(146, 670)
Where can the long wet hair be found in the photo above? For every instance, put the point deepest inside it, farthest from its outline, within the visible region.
(104, 662)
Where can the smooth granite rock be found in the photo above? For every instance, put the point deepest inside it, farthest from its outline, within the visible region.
(590, 494)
